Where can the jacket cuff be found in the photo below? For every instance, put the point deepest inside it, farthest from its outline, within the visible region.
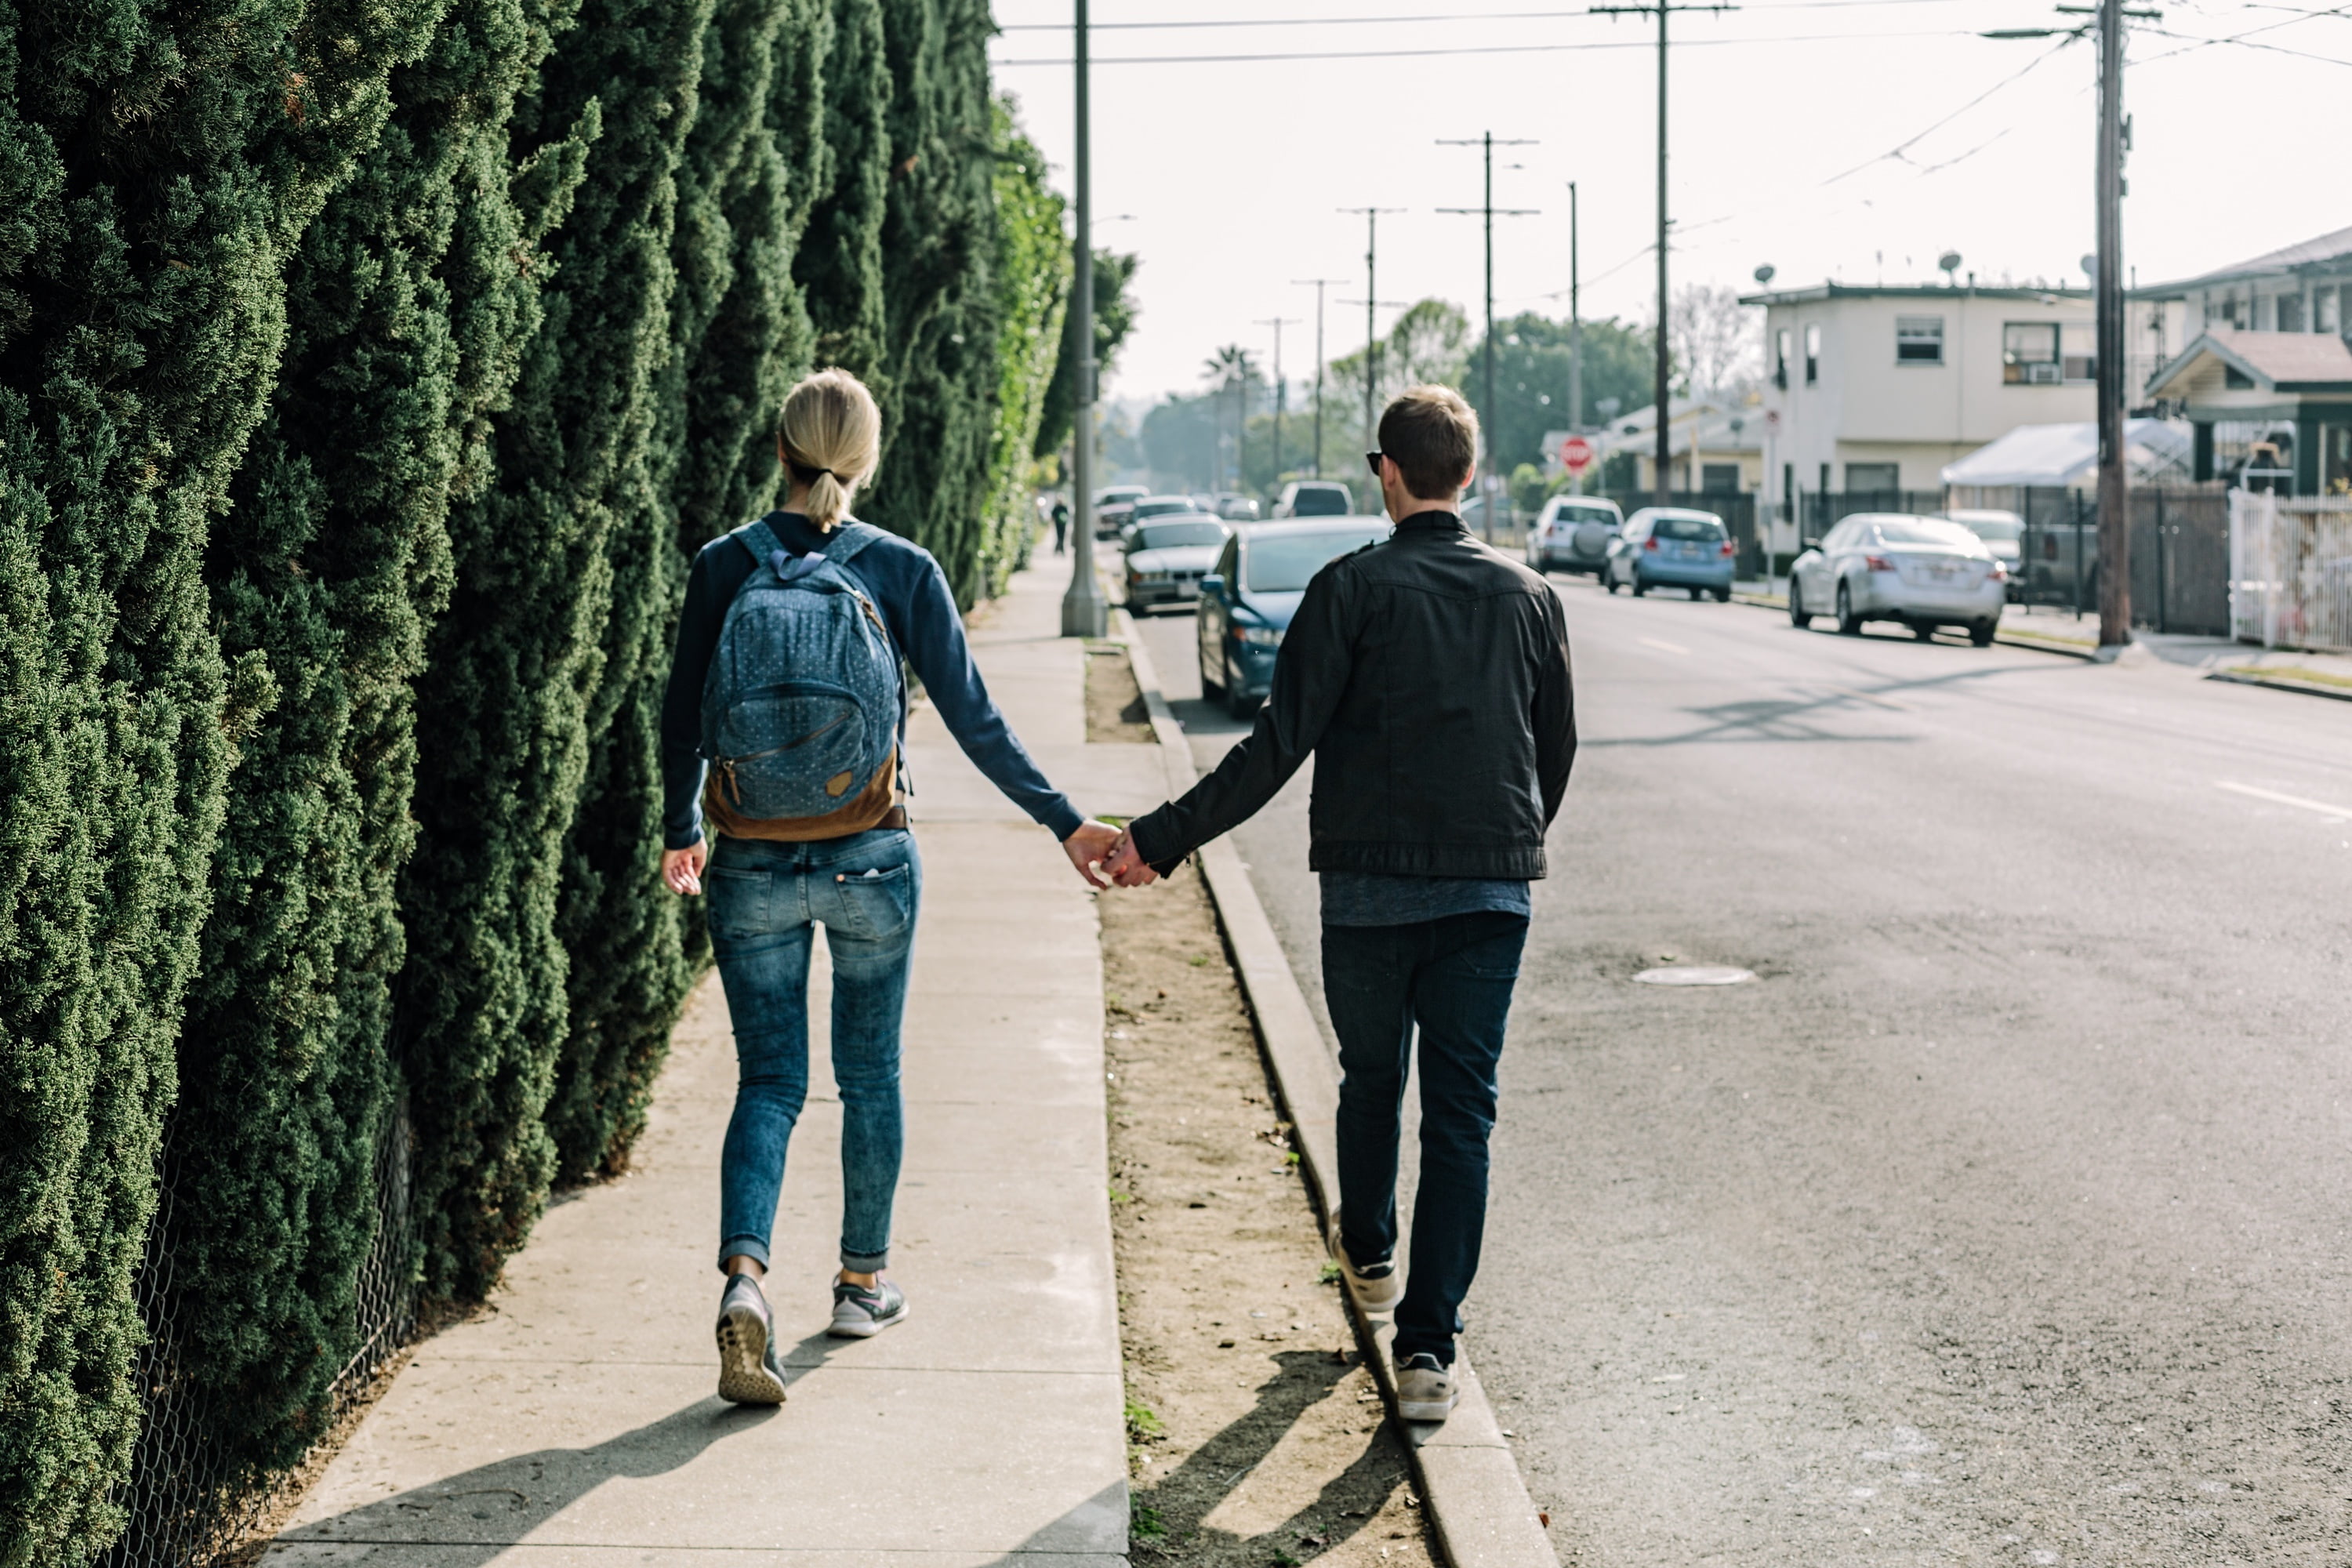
(1061, 819)
(1154, 841)
(687, 841)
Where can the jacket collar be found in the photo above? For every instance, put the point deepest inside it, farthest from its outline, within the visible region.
(1432, 521)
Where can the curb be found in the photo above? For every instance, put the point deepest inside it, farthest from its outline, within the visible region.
(2061, 646)
(2308, 688)
(1470, 1483)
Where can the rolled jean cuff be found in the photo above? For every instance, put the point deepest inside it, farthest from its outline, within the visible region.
(750, 1246)
(866, 1262)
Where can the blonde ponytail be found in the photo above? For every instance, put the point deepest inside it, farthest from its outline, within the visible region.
(832, 437)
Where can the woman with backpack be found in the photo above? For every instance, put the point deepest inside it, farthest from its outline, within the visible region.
(783, 724)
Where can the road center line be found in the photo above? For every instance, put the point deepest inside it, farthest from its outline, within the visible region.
(1669, 646)
(2272, 796)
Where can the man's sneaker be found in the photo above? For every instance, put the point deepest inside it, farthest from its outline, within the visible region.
(860, 1312)
(1376, 1288)
(1425, 1389)
(748, 1373)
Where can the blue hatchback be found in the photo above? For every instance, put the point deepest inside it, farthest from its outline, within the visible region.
(1246, 602)
(1671, 547)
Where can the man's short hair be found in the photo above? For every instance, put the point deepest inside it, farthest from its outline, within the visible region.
(1432, 436)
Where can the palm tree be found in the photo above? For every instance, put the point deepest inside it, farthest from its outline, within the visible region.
(1232, 367)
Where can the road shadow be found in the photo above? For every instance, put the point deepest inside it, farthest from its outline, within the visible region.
(1796, 718)
(471, 1518)
(1170, 1511)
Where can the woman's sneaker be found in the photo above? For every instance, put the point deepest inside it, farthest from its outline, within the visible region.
(748, 1373)
(862, 1311)
(1425, 1389)
(1376, 1289)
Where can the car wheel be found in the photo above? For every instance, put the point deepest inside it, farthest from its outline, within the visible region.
(1923, 630)
(1849, 623)
(1798, 617)
(1981, 633)
(1640, 587)
(1609, 579)
(1723, 596)
(1211, 688)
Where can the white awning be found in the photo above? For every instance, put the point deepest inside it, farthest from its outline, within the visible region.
(2063, 455)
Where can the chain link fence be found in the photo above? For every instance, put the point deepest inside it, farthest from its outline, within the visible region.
(188, 1504)
(2291, 570)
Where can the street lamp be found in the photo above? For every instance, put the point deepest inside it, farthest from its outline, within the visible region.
(1083, 611)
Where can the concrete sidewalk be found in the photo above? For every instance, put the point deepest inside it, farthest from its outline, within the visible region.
(575, 1422)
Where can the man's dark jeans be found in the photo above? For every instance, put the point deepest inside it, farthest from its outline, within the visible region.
(1451, 977)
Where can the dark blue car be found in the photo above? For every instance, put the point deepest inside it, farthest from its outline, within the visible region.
(1246, 602)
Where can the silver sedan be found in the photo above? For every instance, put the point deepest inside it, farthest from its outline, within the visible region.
(1923, 572)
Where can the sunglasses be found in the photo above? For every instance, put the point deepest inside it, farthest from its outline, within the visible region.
(1372, 461)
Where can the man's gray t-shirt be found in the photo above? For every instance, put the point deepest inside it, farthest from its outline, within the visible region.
(1372, 898)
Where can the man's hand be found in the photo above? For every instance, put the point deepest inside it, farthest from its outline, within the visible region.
(1127, 867)
(1089, 846)
(682, 869)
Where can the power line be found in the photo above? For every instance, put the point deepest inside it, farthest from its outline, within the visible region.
(1382, 21)
(1479, 49)
(1897, 151)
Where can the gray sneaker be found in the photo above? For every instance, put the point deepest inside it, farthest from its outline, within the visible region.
(1425, 1389)
(860, 1313)
(748, 1373)
(1376, 1288)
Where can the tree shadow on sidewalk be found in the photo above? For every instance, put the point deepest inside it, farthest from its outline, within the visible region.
(1171, 1511)
(470, 1518)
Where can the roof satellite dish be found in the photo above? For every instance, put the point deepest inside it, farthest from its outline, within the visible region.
(2090, 265)
(1948, 263)
(1764, 274)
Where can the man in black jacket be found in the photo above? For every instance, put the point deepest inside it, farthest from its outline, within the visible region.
(1429, 674)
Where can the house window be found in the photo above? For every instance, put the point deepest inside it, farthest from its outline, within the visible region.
(2236, 380)
(1780, 359)
(2078, 352)
(2326, 312)
(1918, 339)
(1813, 353)
(1719, 479)
(2028, 353)
(1872, 478)
(2289, 311)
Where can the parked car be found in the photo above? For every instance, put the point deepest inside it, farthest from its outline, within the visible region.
(1168, 556)
(1572, 533)
(1248, 602)
(1670, 547)
(1235, 509)
(1923, 571)
(1113, 506)
(1475, 514)
(1315, 498)
(2004, 534)
(1149, 506)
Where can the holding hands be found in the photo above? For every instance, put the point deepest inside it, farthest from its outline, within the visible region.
(1105, 855)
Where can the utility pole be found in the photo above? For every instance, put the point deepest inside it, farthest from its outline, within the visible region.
(1575, 332)
(1372, 301)
(1281, 390)
(1663, 486)
(2106, 21)
(1318, 283)
(1488, 143)
(1084, 613)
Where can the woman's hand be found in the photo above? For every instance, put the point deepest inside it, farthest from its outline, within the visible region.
(1088, 847)
(682, 869)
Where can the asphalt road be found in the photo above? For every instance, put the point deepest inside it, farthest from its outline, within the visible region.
(2004, 1218)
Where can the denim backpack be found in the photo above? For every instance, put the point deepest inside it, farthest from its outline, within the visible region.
(801, 708)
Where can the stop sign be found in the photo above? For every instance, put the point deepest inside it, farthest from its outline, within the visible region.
(1576, 454)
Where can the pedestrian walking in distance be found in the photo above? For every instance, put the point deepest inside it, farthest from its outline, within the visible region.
(1429, 675)
(1061, 525)
(784, 726)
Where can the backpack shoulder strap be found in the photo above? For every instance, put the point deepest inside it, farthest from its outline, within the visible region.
(758, 538)
(850, 537)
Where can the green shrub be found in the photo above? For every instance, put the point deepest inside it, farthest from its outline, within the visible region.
(156, 166)
(839, 262)
(1032, 270)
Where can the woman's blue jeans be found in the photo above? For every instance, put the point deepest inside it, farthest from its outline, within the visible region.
(766, 898)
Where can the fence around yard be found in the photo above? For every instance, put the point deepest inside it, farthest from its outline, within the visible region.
(2291, 571)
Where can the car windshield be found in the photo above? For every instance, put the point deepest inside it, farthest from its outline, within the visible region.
(1282, 563)
(1175, 535)
(1692, 529)
(1589, 514)
(1321, 500)
(2007, 530)
(1920, 531)
(1160, 507)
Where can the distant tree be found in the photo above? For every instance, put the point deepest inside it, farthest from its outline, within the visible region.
(1114, 320)
(1718, 342)
(1179, 441)
(1531, 379)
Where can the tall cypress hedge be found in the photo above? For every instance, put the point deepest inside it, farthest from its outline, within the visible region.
(556, 577)
(156, 167)
(839, 262)
(938, 239)
(406, 309)
(737, 332)
(1032, 272)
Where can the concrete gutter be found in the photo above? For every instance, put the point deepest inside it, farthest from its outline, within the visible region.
(2283, 683)
(1470, 1484)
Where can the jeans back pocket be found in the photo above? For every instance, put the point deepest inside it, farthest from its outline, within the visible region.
(872, 905)
(739, 901)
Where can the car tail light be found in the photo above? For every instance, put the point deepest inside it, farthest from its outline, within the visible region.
(1651, 542)
(1727, 548)
(1878, 563)
(2000, 573)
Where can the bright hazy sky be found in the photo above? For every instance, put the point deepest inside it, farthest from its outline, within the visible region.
(1233, 171)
